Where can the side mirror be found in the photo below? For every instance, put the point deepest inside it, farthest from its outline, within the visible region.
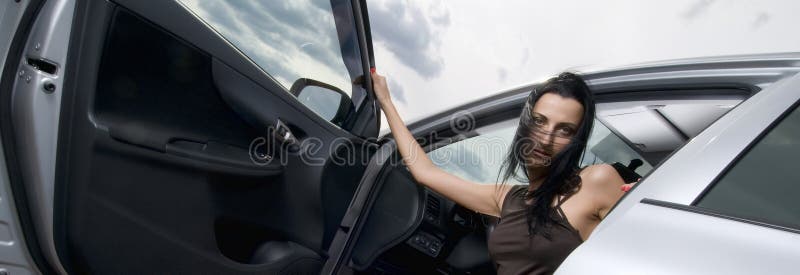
(326, 100)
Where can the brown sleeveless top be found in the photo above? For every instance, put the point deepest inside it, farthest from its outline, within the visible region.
(515, 252)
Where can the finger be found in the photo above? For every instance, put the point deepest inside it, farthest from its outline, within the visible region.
(626, 187)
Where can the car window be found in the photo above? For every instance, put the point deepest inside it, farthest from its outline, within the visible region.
(605, 146)
(291, 39)
(480, 158)
(657, 127)
(763, 184)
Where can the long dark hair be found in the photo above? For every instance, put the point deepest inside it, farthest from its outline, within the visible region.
(562, 178)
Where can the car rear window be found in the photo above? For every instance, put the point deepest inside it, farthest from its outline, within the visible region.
(763, 185)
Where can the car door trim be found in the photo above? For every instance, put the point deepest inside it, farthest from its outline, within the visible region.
(18, 197)
(717, 214)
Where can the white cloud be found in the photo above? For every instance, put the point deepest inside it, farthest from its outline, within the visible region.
(531, 40)
(289, 40)
(411, 31)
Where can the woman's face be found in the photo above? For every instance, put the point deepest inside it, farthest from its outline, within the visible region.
(556, 120)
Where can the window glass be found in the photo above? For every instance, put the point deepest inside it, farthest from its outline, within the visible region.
(477, 158)
(480, 158)
(764, 184)
(291, 39)
(606, 147)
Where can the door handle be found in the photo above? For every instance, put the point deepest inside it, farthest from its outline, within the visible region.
(283, 133)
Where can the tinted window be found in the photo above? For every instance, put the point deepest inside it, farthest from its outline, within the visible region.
(764, 184)
(606, 147)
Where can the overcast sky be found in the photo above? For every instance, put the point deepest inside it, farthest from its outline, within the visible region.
(439, 54)
(288, 39)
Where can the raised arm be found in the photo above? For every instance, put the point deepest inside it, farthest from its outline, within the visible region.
(483, 198)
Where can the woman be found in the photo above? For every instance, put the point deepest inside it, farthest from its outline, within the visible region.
(542, 222)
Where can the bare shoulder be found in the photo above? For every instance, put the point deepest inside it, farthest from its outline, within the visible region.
(603, 182)
(601, 176)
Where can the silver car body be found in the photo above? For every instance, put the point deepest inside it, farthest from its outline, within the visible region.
(636, 238)
(654, 230)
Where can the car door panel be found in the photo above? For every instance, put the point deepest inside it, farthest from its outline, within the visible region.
(156, 170)
(670, 240)
(661, 217)
(257, 105)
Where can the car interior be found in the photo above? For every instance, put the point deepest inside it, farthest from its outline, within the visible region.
(414, 230)
(156, 153)
(155, 158)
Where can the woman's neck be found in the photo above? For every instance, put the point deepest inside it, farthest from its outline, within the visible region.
(539, 175)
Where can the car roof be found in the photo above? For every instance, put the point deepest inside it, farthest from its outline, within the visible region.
(663, 104)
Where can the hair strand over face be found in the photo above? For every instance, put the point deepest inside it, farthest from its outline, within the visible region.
(562, 178)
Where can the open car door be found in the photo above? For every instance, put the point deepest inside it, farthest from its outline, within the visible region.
(187, 136)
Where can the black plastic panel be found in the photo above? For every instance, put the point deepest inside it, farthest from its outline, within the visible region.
(153, 174)
(162, 88)
(395, 214)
